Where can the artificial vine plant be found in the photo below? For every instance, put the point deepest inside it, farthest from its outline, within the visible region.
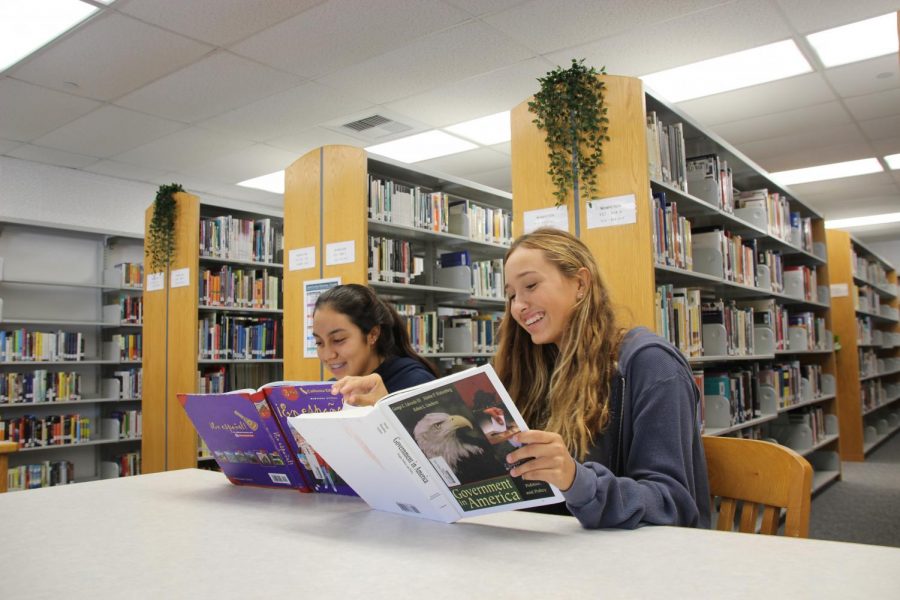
(161, 242)
(569, 108)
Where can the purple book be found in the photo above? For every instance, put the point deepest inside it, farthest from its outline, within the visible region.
(248, 435)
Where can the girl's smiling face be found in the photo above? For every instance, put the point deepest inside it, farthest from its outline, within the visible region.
(541, 298)
(342, 347)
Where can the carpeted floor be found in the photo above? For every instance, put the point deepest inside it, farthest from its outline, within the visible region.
(863, 507)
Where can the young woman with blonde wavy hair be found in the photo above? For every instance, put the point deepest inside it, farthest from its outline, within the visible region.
(615, 413)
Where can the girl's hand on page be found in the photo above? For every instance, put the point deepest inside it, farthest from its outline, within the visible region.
(360, 391)
(543, 457)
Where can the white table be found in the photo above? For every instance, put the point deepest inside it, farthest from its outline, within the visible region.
(191, 534)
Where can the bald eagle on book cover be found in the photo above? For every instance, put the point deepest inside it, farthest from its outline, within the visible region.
(465, 450)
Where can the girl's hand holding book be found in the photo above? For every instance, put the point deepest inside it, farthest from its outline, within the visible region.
(360, 391)
(543, 457)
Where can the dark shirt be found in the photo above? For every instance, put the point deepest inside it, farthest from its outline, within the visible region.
(399, 373)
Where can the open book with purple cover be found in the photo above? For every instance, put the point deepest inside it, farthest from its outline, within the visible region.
(248, 435)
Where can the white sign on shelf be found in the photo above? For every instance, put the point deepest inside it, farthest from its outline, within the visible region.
(340, 253)
(156, 281)
(840, 290)
(609, 212)
(301, 258)
(556, 217)
(311, 291)
(180, 278)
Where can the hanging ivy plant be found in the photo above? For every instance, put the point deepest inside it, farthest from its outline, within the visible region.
(569, 108)
(161, 243)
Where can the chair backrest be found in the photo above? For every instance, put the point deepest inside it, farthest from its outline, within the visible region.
(6, 448)
(749, 473)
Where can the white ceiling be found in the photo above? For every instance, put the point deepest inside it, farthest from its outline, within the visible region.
(211, 92)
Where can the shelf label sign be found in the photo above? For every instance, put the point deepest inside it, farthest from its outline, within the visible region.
(609, 212)
(180, 278)
(556, 217)
(839, 290)
(301, 258)
(311, 291)
(156, 281)
(340, 253)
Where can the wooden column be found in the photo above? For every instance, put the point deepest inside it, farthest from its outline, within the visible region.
(624, 252)
(6, 448)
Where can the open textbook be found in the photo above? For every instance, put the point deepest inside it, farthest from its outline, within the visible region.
(248, 435)
(436, 450)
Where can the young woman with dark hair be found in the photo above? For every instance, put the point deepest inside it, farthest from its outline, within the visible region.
(363, 342)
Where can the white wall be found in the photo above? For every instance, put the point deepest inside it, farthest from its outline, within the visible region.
(889, 251)
(34, 192)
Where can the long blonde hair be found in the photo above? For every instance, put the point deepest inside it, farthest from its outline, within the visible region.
(564, 390)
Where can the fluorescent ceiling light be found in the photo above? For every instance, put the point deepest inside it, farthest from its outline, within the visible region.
(729, 72)
(863, 221)
(492, 129)
(856, 41)
(26, 25)
(422, 146)
(825, 172)
(273, 182)
(893, 161)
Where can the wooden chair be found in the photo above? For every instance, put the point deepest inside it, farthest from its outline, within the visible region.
(5, 449)
(757, 473)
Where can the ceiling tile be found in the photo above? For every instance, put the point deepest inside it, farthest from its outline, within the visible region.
(500, 179)
(865, 77)
(110, 56)
(183, 149)
(821, 137)
(873, 106)
(211, 86)
(123, 170)
(294, 110)
(447, 56)
(312, 44)
(30, 111)
(462, 164)
(874, 185)
(107, 131)
(246, 163)
(52, 156)
(770, 159)
(789, 122)
(549, 25)
(887, 146)
(826, 15)
(477, 96)
(767, 98)
(7, 145)
(302, 142)
(686, 38)
(505, 148)
(886, 127)
(484, 7)
(217, 22)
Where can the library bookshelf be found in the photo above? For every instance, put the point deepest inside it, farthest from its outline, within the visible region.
(336, 216)
(772, 378)
(865, 312)
(70, 353)
(212, 319)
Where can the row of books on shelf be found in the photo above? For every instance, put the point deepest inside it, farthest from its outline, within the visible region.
(232, 238)
(233, 337)
(666, 153)
(239, 288)
(772, 212)
(61, 472)
(870, 364)
(880, 424)
(43, 386)
(24, 345)
(130, 310)
(875, 392)
(868, 335)
(414, 206)
(32, 431)
(126, 275)
(125, 347)
(393, 261)
(450, 330)
(219, 379)
(869, 270)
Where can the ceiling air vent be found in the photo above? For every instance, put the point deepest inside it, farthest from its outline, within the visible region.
(375, 126)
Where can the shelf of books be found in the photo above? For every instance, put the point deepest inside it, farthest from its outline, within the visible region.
(865, 308)
(430, 244)
(697, 243)
(213, 321)
(70, 353)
